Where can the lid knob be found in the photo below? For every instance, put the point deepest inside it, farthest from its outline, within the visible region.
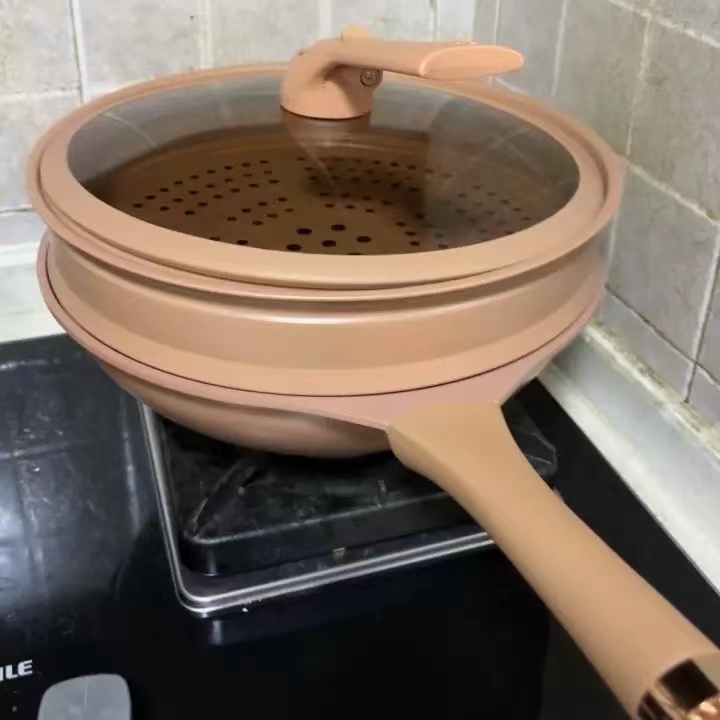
(335, 79)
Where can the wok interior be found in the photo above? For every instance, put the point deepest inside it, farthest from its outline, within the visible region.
(428, 171)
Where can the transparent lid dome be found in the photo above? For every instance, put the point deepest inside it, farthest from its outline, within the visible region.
(427, 170)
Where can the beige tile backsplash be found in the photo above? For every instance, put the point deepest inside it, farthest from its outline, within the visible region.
(663, 261)
(124, 42)
(642, 339)
(408, 19)
(244, 31)
(705, 396)
(644, 73)
(533, 29)
(22, 119)
(710, 350)
(454, 19)
(676, 134)
(698, 16)
(598, 66)
(36, 46)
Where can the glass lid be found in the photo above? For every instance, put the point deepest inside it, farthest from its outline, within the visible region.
(426, 170)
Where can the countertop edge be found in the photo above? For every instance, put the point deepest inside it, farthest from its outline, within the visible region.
(667, 455)
(23, 314)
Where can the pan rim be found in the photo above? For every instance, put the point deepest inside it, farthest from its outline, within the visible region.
(274, 392)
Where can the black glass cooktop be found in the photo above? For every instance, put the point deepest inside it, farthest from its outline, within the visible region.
(86, 586)
(237, 509)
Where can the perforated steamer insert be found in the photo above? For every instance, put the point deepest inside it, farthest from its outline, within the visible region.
(325, 208)
(382, 193)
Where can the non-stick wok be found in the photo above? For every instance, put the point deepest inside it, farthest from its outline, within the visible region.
(366, 248)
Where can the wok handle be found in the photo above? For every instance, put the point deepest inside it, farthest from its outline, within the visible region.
(655, 661)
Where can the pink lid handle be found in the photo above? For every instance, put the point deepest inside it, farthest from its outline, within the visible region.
(335, 79)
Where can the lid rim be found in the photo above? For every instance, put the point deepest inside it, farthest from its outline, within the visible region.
(56, 193)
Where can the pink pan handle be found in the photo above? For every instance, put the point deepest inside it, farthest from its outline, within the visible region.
(655, 661)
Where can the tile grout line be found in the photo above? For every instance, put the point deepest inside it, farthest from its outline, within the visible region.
(496, 23)
(324, 18)
(667, 22)
(687, 386)
(473, 19)
(668, 190)
(79, 49)
(708, 375)
(612, 239)
(205, 47)
(559, 48)
(642, 12)
(705, 309)
(43, 95)
(644, 321)
(21, 210)
(639, 86)
(684, 30)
